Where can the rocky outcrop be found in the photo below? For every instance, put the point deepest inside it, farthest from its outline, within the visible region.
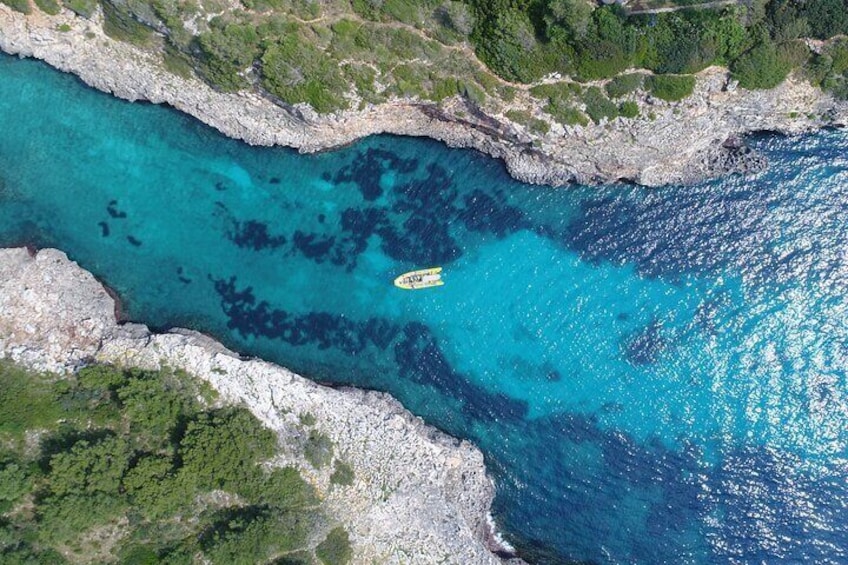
(418, 496)
(671, 143)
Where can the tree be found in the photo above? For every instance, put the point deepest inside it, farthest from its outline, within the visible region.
(90, 468)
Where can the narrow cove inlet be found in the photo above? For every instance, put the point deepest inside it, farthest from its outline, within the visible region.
(653, 375)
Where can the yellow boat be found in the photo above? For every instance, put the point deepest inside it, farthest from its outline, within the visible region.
(423, 278)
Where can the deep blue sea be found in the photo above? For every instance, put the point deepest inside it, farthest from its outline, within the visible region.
(654, 376)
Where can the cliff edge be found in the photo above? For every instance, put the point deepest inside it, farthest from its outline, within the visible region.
(418, 495)
(670, 142)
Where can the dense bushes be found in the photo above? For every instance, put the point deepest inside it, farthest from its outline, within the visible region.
(21, 6)
(622, 85)
(523, 40)
(598, 106)
(120, 24)
(227, 50)
(144, 448)
(331, 64)
(830, 69)
(670, 87)
(335, 549)
(84, 8)
(51, 7)
(297, 72)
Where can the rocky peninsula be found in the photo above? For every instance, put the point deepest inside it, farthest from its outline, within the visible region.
(698, 137)
(418, 495)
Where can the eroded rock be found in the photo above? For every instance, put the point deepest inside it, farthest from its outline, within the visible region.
(417, 496)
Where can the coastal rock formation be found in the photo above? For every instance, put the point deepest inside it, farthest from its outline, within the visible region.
(418, 496)
(673, 143)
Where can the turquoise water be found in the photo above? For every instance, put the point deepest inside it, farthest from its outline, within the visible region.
(655, 376)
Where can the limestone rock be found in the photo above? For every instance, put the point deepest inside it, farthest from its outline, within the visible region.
(678, 142)
(418, 496)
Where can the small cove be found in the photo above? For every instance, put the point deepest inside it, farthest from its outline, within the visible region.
(653, 375)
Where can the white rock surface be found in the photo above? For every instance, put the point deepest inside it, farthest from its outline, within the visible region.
(419, 496)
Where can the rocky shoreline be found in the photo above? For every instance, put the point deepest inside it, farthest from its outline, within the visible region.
(699, 137)
(418, 495)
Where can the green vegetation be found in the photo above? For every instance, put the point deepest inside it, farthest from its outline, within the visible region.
(334, 54)
(625, 84)
(561, 102)
(21, 6)
(51, 7)
(84, 8)
(526, 119)
(335, 550)
(342, 474)
(670, 87)
(120, 24)
(137, 467)
(830, 69)
(598, 106)
(318, 449)
(227, 50)
(628, 109)
(176, 62)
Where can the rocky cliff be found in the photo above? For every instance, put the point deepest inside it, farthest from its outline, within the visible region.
(671, 143)
(418, 495)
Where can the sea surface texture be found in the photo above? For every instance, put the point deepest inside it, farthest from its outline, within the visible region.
(655, 376)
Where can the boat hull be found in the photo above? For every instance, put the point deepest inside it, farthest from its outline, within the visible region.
(422, 278)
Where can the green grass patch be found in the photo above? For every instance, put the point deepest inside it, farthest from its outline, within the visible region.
(670, 88)
(27, 401)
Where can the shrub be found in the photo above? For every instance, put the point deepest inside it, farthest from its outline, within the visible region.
(177, 62)
(296, 72)
(307, 419)
(86, 477)
(26, 401)
(51, 7)
(566, 114)
(671, 88)
(226, 51)
(342, 474)
(526, 119)
(622, 85)
(318, 449)
(122, 26)
(599, 106)
(335, 549)
(84, 8)
(628, 109)
(21, 6)
(826, 17)
(761, 67)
